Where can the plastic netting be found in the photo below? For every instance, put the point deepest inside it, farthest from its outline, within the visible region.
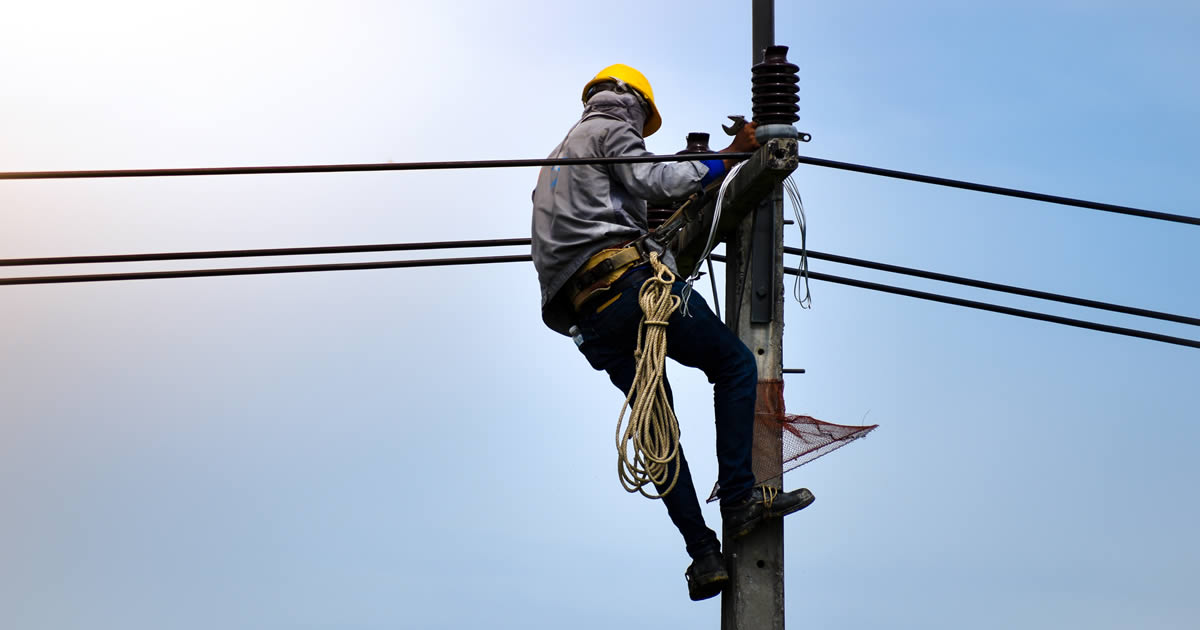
(804, 438)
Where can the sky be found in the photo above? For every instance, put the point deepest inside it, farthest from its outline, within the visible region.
(414, 449)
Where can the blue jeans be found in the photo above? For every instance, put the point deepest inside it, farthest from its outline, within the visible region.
(698, 340)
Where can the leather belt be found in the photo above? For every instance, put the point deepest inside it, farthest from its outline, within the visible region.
(600, 272)
(635, 276)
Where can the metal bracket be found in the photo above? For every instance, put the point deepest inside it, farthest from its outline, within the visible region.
(762, 262)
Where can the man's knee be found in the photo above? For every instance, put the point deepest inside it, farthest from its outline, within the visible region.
(746, 366)
(737, 369)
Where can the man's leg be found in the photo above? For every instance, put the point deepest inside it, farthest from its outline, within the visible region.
(701, 340)
(610, 339)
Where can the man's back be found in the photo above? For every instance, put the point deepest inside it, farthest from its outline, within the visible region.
(579, 210)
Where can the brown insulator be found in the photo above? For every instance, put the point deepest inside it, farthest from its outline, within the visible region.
(697, 142)
(775, 88)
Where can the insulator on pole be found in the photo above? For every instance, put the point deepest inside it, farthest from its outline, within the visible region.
(776, 88)
(657, 214)
(697, 142)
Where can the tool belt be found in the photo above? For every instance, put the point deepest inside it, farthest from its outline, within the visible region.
(602, 271)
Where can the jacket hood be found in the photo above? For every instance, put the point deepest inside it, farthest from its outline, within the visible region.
(621, 106)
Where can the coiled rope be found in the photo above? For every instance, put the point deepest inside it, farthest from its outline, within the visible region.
(648, 445)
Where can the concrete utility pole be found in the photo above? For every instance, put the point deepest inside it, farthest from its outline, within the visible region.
(754, 293)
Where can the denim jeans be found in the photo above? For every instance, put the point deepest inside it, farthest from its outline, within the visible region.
(699, 340)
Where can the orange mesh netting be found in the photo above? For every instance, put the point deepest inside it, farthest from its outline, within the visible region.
(804, 438)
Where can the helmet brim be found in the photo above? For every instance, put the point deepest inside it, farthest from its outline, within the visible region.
(653, 121)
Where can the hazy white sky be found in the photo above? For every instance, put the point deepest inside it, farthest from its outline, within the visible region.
(412, 448)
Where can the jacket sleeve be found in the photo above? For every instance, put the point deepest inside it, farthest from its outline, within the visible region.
(653, 181)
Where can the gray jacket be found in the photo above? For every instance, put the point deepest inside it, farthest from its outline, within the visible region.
(580, 210)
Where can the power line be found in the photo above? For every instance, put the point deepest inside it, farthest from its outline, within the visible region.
(992, 286)
(438, 262)
(995, 308)
(250, 253)
(466, 164)
(516, 242)
(249, 271)
(387, 166)
(998, 190)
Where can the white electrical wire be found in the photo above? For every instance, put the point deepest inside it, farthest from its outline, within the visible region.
(798, 208)
(712, 236)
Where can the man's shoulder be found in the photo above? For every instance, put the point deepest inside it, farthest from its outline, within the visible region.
(607, 132)
(601, 122)
(591, 134)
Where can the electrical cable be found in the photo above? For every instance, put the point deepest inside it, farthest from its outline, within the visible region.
(251, 253)
(245, 271)
(793, 192)
(438, 262)
(515, 242)
(712, 277)
(998, 190)
(386, 166)
(712, 235)
(464, 164)
(1004, 310)
(1003, 288)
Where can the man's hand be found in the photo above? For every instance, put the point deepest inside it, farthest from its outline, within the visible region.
(743, 142)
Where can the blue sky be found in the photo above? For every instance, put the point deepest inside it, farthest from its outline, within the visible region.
(412, 448)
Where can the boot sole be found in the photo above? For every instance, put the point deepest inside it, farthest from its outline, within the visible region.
(750, 526)
(806, 500)
(709, 588)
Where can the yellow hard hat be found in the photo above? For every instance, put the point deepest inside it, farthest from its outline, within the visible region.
(636, 80)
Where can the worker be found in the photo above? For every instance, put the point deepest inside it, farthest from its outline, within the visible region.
(585, 218)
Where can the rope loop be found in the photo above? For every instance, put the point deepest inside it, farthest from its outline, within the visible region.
(648, 444)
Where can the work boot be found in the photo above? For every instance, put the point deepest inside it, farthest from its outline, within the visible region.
(706, 577)
(763, 502)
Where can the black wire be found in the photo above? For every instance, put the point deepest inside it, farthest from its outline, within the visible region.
(413, 166)
(513, 242)
(245, 253)
(945, 299)
(997, 190)
(712, 277)
(1004, 288)
(247, 271)
(389, 166)
(438, 262)
(1005, 310)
